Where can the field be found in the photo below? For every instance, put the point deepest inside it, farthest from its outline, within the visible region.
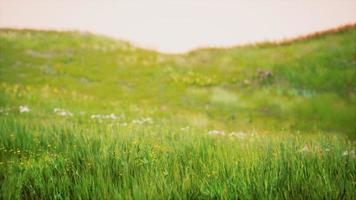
(89, 117)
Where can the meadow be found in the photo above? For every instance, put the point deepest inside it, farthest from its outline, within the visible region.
(84, 116)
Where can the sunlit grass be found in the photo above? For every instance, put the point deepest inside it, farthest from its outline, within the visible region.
(87, 117)
(158, 161)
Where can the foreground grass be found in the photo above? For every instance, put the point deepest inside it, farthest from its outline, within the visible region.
(88, 117)
(97, 161)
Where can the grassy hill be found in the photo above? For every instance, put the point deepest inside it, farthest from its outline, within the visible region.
(103, 119)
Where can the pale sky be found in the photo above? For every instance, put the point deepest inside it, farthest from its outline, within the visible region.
(181, 25)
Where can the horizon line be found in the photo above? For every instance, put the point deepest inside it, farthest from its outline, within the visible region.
(282, 41)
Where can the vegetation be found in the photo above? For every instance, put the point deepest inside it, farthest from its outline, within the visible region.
(89, 117)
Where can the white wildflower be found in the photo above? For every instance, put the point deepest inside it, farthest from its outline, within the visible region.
(305, 149)
(216, 132)
(24, 109)
(65, 113)
(113, 116)
(185, 128)
(136, 121)
(147, 120)
(94, 116)
(62, 112)
(141, 121)
(110, 116)
(4, 110)
(349, 153)
(240, 134)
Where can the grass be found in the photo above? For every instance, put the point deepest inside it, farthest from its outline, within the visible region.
(108, 120)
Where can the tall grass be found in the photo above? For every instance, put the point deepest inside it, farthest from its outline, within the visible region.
(98, 161)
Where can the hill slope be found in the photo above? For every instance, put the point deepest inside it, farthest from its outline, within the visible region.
(88, 117)
(307, 85)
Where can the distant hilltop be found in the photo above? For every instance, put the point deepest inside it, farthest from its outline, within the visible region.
(260, 43)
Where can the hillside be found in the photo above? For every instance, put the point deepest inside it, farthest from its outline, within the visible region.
(88, 117)
(312, 84)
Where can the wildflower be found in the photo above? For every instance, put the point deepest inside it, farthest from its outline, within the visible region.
(185, 128)
(240, 135)
(216, 132)
(247, 82)
(4, 110)
(94, 116)
(136, 121)
(141, 121)
(165, 173)
(305, 149)
(110, 116)
(24, 109)
(148, 120)
(62, 112)
(349, 153)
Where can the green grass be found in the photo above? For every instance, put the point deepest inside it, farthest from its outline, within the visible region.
(136, 122)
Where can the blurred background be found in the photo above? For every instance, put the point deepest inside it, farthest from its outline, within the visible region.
(178, 26)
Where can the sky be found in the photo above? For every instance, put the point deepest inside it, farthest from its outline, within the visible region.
(180, 25)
